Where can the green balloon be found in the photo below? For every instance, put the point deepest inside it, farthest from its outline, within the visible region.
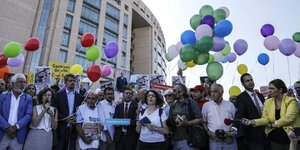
(12, 49)
(204, 44)
(226, 50)
(168, 57)
(214, 70)
(187, 53)
(296, 36)
(211, 58)
(206, 10)
(92, 53)
(202, 58)
(219, 14)
(195, 21)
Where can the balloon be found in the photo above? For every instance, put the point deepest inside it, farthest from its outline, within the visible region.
(267, 30)
(234, 91)
(240, 46)
(12, 49)
(172, 51)
(168, 57)
(219, 14)
(94, 72)
(178, 46)
(287, 47)
(3, 61)
(195, 21)
(242, 68)
(3, 71)
(271, 42)
(87, 39)
(187, 53)
(188, 37)
(206, 10)
(225, 59)
(106, 70)
(218, 56)
(190, 64)
(214, 70)
(211, 58)
(209, 20)
(76, 69)
(227, 12)
(202, 58)
(204, 44)
(231, 57)
(226, 50)
(181, 65)
(92, 53)
(32, 44)
(223, 28)
(296, 36)
(203, 30)
(111, 49)
(296, 53)
(219, 44)
(15, 62)
(263, 58)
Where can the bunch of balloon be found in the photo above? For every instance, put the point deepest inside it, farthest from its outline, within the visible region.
(296, 38)
(12, 51)
(76, 69)
(106, 70)
(93, 52)
(94, 72)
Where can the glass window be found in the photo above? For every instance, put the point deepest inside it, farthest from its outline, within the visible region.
(87, 27)
(111, 24)
(82, 61)
(62, 57)
(124, 46)
(95, 3)
(71, 5)
(113, 11)
(65, 38)
(125, 19)
(90, 13)
(108, 36)
(124, 60)
(68, 21)
(125, 32)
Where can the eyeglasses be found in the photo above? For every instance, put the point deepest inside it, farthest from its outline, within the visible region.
(169, 95)
(150, 95)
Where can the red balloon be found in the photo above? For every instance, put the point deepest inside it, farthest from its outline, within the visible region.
(3, 61)
(87, 39)
(32, 44)
(94, 72)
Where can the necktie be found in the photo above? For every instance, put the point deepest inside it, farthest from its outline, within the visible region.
(256, 103)
(126, 110)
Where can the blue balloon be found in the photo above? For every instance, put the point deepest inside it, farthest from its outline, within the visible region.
(223, 28)
(225, 59)
(188, 37)
(263, 58)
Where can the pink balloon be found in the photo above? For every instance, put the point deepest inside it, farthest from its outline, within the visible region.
(106, 70)
(297, 52)
(178, 46)
(15, 62)
(271, 42)
(203, 30)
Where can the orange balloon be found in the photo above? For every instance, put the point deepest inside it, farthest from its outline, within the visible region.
(3, 71)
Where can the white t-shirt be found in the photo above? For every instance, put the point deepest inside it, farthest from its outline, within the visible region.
(152, 136)
(108, 111)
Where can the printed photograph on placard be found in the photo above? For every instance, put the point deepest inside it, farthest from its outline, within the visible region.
(156, 79)
(42, 77)
(177, 80)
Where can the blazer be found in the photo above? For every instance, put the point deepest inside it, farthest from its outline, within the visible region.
(132, 115)
(289, 116)
(247, 109)
(60, 102)
(24, 115)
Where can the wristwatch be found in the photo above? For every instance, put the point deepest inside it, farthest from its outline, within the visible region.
(17, 126)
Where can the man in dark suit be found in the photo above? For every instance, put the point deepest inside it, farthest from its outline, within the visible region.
(66, 102)
(250, 105)
(125, 136)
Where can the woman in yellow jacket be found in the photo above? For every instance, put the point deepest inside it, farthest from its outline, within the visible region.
(280, 115)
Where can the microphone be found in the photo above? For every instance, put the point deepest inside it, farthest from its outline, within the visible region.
(228, 121)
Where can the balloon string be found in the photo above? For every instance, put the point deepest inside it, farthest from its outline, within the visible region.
(222, 75)
(190, 78)
(273, 65)
(266, 74)
(237, 62)
(287, 58)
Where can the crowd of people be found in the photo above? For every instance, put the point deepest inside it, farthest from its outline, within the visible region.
(65, 119)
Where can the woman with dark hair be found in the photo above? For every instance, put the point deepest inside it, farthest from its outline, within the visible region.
(152, 124)
(44, 119)
(280, 115)
(30, 89)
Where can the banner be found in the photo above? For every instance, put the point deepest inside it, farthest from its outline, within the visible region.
(42, 77)
(58, 69)
(30, 77)
(117, 121)
(156, 79)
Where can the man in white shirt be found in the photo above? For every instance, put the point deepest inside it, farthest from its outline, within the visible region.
(214, 113)
(297, 89)
(107, 108)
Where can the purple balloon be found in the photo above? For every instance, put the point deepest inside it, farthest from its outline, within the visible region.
(111, 49)
(219, 44)
(271, 42)
(209, 20)
(240, 46)
(15, 62)
(267, 30)
(231, 57)
(287, 47)
(297, 52)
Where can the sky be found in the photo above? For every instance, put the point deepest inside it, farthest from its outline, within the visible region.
(247, 17)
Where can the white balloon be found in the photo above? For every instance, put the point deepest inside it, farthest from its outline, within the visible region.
(203, 30)
(15, 62)
(227, 12)
(181, 65)
(218, 56)
(172, 51)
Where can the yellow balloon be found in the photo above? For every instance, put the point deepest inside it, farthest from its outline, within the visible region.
(242, 68)
(234, 91)
(190, 64)
(76, 69)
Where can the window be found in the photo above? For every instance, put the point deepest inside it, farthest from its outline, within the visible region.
(113, 11)
(87, 27)
(125, 19)
(68, 22)
(108, 36)
(123, 60)
(95, 3)
(111, 24)
(125, 32)
(62, 56)
(90, 13)
(124, 46)
(82, 61)
(71, 5)
(65, 38)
